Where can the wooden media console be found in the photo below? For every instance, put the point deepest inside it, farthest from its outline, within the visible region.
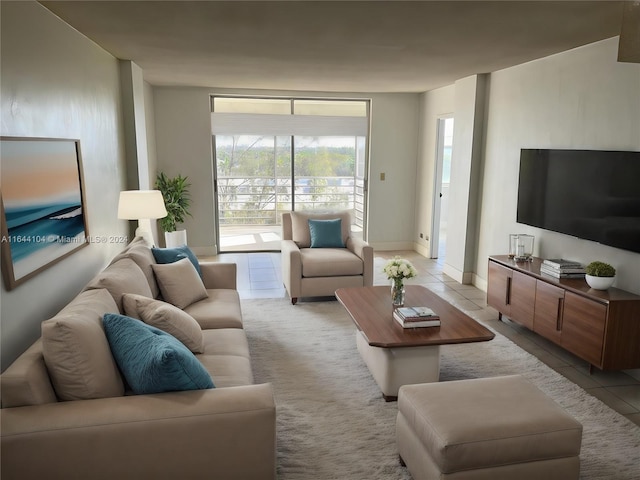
(600, 326)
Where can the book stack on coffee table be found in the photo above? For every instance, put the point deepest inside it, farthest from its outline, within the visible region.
(561, 268)
(414, 317)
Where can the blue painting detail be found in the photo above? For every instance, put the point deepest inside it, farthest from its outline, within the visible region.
(31, 229)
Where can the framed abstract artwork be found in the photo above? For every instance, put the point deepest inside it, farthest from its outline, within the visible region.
(42, 203)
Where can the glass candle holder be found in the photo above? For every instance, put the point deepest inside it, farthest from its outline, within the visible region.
(524, 247)
(513, 245)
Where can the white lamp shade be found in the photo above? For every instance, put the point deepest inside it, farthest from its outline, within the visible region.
(139, 204)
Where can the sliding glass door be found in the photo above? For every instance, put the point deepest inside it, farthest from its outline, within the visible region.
(260, 173)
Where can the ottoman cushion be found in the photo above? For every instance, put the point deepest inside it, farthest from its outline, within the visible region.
(488, 422)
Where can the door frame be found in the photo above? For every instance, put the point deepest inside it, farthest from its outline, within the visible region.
(437, 186)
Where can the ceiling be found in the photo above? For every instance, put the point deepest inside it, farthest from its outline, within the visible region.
(335, 46)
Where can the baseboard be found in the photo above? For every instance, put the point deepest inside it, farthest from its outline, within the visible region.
(479, 282)
(422, 250)
(465, 278)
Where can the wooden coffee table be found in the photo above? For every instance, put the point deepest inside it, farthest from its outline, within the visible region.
(398, 356)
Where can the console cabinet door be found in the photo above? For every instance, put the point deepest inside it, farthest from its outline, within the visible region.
(523, 299)
(548, 311)
(499, 288)
(583, 327)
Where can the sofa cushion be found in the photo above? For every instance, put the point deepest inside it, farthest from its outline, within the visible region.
(26, 381)
(123, 276)
(221, 309)
(228, 370)
(140, 253)
(326, 233)
(330, 262)
(166, 317)
(170, 255)
(76, 350)
(300, 233)
(179, 283)
(226, 341)
(151, 360)
(226, 357)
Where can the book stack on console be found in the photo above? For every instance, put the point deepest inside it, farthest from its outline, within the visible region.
(414, 317)
(561, 268)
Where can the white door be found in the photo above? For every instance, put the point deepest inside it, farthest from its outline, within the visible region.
(442, 175)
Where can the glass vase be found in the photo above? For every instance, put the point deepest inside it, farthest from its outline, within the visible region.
(397, 292)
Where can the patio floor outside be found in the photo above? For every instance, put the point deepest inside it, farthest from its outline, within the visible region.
(250, 238)
(255, 238)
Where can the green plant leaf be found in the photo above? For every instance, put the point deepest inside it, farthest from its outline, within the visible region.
(177, 200)
(600, 269)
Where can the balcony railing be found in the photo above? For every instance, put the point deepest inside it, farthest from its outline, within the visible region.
(260, 200)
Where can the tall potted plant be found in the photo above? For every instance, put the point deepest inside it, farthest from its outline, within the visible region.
(177, 200)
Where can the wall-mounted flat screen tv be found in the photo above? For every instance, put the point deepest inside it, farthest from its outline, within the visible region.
(590, 194)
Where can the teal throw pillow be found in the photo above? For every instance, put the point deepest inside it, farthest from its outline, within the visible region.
(170, 255)
(152, 361)
(326, 233)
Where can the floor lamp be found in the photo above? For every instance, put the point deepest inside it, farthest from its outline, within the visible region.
(142, 205)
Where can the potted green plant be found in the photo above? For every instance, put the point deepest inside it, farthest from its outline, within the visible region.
(177, 200)
(600, 275)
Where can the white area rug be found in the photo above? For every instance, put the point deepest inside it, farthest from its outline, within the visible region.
(334, 424)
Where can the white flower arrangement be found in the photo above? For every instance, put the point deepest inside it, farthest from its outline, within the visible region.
(398, 269)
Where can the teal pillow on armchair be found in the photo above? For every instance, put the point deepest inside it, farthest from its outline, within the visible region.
(326, 233)
(152, 361)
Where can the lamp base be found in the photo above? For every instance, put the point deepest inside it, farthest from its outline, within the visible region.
(144, 231)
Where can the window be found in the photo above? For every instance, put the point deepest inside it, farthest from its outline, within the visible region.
(274, 155)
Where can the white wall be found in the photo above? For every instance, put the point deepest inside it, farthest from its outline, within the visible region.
(149, 112)
(152, 167)
(581, 99)
(56, 83)
(394, 151)
(433, 105)
(183, 146)
(183, 140)
(466, 164)
(135, 127)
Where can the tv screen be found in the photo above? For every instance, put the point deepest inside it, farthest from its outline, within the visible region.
(590, 194)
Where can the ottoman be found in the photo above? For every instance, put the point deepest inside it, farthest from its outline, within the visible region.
(487, 428)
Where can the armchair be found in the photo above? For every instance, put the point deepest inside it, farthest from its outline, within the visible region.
(318, 272)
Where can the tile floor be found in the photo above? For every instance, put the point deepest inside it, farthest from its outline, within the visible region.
(259, 276)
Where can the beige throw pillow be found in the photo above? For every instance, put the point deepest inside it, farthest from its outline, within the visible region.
(140, 253)
(179, 282)
(76, 350)
(122, 276)
(167, 318)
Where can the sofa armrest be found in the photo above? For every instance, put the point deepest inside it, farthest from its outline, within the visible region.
(219, 275)
(365, 251)
(291, 268)
(228, 432)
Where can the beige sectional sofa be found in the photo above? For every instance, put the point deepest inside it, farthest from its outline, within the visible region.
(67, 412)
